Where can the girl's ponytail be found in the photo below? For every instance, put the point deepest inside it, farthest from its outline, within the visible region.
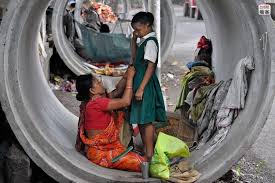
(150, 18)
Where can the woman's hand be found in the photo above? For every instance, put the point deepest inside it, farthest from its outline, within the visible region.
(131, 72)
(126, 99)
(125, 75)
(139, 94)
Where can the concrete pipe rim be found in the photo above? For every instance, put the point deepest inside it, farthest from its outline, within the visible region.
(167, 36)
(46, 129)
(73, 61)
(250, 23)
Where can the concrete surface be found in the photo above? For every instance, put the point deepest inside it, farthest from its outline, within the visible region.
(46, 129)
(264, 147)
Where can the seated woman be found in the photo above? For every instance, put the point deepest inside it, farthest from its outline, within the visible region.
(98, 135)
(204, 54)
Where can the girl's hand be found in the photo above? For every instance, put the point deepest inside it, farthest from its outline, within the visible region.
(131, 72)
(135, 36)
(139, 94)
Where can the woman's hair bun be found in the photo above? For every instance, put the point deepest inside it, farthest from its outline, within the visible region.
(83, 85)
(79, 97)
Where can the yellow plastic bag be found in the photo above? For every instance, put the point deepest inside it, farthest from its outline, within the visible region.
(167, 147)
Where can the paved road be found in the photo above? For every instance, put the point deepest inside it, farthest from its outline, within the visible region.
(188, 33)
(264, 147)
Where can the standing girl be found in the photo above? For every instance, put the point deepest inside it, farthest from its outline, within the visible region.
(148, 105)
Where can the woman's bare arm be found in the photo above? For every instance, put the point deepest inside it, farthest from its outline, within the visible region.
(118, 92)
(127, 95)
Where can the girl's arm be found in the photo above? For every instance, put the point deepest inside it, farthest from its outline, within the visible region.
(147, 76)
(133, 48)
(128, 93)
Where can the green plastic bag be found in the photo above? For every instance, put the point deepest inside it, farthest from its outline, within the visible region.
(167, 147)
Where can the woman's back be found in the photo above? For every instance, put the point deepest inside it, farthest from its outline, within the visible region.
(97, 116)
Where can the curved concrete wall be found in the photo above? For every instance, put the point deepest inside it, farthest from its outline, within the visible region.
(237, 30)
(62, 44)
(46, 129)
(75, 62)
(167, 28)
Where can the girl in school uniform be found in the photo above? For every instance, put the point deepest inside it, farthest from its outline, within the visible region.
(147, 105)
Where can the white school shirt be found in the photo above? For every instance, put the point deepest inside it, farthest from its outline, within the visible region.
(151, 49)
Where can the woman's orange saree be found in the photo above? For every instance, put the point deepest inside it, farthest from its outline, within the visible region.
(106, 146)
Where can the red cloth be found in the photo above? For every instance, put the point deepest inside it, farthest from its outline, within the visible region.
(203, 43)
(97, 116)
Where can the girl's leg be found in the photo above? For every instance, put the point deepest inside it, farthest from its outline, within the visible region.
(149, 141)
(142, 134)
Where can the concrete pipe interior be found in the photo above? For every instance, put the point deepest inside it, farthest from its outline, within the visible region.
(75, 62)
(46, 129)
(65, 49)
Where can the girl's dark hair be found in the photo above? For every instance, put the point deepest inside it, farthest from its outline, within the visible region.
(83, 85)
(144, 18)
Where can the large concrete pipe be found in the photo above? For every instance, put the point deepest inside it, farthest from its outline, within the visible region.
(47, 130)
(75, 62)
(237, 31)
(167, 29)
(65, 49)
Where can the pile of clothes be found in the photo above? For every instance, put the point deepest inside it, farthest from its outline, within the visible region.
(210, 106)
